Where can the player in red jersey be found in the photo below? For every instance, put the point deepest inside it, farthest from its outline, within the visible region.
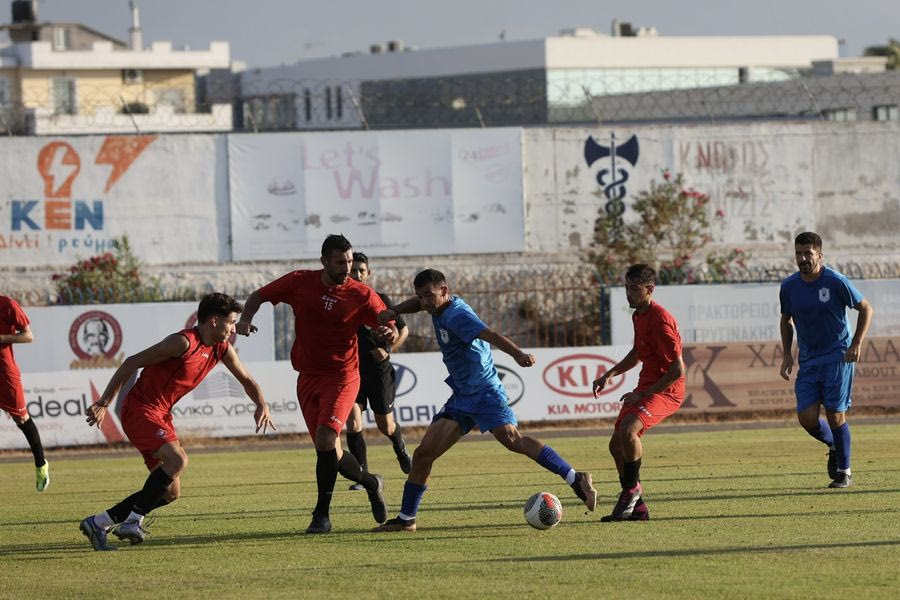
(659, 393)
(329, 307)
(14, 329)
(171, 369)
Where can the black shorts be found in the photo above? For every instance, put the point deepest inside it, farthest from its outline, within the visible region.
(376, 388)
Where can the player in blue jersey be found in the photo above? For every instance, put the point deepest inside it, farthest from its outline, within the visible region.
(478, 400)
(815, 301)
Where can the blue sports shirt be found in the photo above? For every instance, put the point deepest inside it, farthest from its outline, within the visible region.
(468, 358)
(819, 311)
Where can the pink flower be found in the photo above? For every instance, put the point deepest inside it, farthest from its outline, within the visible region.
(720, 213)
(667, 175)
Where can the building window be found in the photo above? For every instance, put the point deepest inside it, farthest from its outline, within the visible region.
(60, 38)
(64, 102)
(328, 110)
(339, 101)
(887, 112)
(132, 76)
(307, 105)
(173, 97)
(839, 114)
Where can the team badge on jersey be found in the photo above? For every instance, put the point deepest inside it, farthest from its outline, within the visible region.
(445, 336)
(824, 295)
(160, 433)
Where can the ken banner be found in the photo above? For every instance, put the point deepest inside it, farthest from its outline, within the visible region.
(68, 198)
(391, 193)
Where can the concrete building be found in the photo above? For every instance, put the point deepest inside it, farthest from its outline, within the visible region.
(835, 92)
(66, 78)
(510, 82)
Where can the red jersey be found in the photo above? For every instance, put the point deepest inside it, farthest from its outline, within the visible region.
(326, 319)
(12, 320)
(161, 385)
(658, 343)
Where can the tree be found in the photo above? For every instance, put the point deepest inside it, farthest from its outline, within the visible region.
(672, 225)
(106, 278)
(891, 51)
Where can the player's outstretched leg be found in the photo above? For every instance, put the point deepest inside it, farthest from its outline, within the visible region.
(374, 484)
(356, 443)
(409, 507)
(33, 437)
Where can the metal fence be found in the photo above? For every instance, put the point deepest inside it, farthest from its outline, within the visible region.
(533, 317)
(253, 102)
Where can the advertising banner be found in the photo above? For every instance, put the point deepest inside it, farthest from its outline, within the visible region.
(67, 198)
(100, 336)
(744, 312)
(735, 377)
(391, 193)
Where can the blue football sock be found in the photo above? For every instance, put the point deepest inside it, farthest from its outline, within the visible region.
(412, 495)
(553, 462)
(823, 433)
(842, 446)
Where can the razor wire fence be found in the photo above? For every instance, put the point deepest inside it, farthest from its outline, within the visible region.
(255, 101)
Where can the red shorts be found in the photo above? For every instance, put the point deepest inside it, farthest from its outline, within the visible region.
(12, 397)
(147, 429)
(326, 400)
(651, 410)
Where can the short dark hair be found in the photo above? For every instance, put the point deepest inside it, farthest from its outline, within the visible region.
(809, 238)
(360, 257)
(429, 277)
(217, 304)
(641, 273)
(333, 242)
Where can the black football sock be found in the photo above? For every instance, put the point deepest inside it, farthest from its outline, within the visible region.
(631, 474)
(356, 442)
(397, 440)
(155, 488)
(350, 469)
(120, 511)
(34, 441)
(326, 475)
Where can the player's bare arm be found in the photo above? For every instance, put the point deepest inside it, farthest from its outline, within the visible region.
(673, 373)
(866, 312)
(381, 355)
(407, 307)
(245, 325)
(627, 363)
(20, 337)
(251, 388)
(505, 344)
(787, 342)
(172, 346)
(387, 333)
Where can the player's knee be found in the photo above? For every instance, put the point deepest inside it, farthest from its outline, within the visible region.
(423, 456)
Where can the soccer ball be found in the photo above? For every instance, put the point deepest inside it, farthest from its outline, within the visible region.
(543, 510)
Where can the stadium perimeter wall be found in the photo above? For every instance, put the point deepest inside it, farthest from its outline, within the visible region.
(721, 378)
(175, 196)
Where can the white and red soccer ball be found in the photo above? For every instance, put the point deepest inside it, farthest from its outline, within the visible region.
(543, 510)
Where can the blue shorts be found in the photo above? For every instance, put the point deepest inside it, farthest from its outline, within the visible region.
(829, 384)
(487, 409)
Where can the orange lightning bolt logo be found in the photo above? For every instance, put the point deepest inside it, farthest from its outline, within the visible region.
(120, 152)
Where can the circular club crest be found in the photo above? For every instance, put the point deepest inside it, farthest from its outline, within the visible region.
(95, 333)
(192, 320)
(512, 383)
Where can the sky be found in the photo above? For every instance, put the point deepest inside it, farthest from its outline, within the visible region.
(272, 32)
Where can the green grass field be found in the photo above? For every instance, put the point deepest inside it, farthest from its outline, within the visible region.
(739, 514)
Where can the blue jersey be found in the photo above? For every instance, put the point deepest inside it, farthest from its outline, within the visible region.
(467, 357)
(819, 311)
